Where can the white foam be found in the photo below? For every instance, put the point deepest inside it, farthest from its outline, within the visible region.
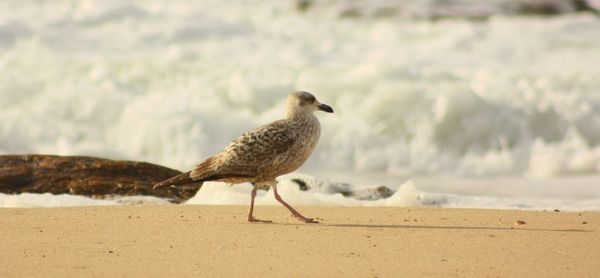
(219, 193)
(172, 83)
(407, 195)
(451, 194)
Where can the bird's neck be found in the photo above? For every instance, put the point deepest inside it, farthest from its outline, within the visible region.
(300, 116)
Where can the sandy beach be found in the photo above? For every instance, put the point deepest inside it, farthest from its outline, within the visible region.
(186, 241)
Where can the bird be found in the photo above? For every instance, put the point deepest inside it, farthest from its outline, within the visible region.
(261, 155)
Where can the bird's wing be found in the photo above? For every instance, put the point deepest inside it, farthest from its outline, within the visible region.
(253, 151)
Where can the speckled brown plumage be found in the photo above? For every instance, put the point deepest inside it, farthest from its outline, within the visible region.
(261, 155)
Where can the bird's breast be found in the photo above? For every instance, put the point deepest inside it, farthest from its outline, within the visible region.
(308, 135)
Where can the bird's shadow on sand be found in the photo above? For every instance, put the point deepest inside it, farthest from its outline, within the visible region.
(392, 226)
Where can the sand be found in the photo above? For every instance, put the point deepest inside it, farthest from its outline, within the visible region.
(205, 241)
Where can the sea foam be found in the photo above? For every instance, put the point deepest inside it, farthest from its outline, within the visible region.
(172, 83)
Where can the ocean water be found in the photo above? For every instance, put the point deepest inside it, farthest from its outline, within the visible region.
(501, 113)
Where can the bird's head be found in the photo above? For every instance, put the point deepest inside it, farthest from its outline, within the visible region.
(302, 103)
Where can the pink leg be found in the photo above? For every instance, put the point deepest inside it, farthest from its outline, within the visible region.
(251, 210)
(292, 210)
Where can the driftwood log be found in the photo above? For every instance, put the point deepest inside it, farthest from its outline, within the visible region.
(88, 176)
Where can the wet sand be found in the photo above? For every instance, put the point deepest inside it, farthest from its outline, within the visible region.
(205, 241)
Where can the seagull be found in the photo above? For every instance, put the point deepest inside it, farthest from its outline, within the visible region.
(263, 154)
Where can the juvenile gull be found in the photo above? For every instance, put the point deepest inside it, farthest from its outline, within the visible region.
(261, 155)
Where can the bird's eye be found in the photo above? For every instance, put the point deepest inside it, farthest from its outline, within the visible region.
(308, 98)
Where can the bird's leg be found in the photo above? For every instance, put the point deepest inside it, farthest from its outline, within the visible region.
(290, 208)
(250, 211)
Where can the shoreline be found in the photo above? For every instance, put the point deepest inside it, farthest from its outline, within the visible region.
(192, 240)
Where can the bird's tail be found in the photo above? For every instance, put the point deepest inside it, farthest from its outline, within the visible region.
(178, 180)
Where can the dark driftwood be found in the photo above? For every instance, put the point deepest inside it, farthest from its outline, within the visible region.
(88, 176)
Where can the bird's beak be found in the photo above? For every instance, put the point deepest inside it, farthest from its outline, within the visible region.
(326, 108)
